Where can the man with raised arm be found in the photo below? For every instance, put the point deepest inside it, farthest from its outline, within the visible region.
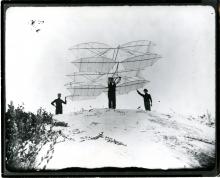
(147, 99)
(58, 104)
(112, 82)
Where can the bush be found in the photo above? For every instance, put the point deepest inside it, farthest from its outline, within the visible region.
(207, 119)
(25, 134)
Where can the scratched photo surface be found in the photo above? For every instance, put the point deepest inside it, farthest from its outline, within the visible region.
(125, 86)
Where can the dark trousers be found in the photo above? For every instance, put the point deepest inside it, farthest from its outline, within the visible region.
(147, 106)
(59, 111)
(112, 101)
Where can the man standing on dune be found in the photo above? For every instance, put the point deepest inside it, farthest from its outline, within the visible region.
(147, 99)
(58, 104)
(112, 82)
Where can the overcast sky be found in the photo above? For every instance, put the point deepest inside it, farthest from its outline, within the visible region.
(183, 80)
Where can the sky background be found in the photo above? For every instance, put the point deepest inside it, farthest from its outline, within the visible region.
(183, 80)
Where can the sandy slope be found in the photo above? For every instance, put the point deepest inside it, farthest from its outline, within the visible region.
(129, 138)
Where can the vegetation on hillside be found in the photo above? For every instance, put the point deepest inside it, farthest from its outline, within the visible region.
(26, 133)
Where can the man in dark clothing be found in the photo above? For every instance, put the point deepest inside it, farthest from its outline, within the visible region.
(58, 104)
(147, 99)
(111, 91)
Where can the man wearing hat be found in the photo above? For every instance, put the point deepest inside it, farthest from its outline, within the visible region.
(147, 99)
(58, 104)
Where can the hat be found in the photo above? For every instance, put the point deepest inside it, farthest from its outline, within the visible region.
(145, 90)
